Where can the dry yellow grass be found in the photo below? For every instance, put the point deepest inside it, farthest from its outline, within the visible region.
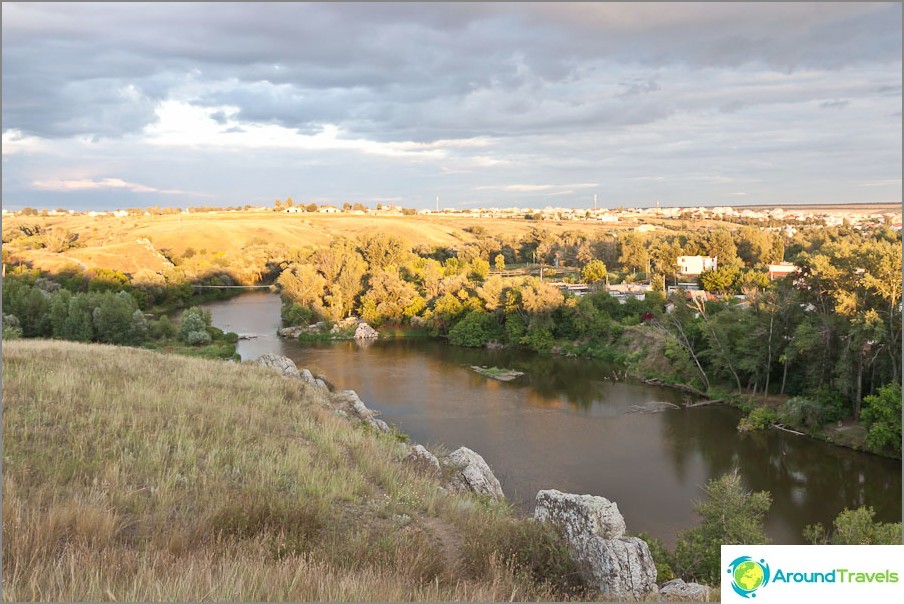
(132, 475)
(110, 242)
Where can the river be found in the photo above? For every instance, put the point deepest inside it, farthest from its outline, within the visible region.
(568, 425)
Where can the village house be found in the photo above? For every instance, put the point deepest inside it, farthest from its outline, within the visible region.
(780, 270)
(694, 265)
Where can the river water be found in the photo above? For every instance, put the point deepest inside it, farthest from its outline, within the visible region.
(568, 424)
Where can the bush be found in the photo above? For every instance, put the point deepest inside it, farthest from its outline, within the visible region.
(758, 419)
(11, 328)
(855, 527)
(162, 329)
(193, 330)
(730, 515)
(661, 556)
(805, 413)
(882, 417)
(475, 330)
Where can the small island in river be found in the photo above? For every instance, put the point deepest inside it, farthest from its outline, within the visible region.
(503, 375)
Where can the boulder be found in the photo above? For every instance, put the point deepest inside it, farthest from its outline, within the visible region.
(360, 410)
(307, 376)
(580, 516)
(677, 590)
(473, 473)
(365, 332)
(290, 332)
(283, 365)
(423, 460)
(594, 529)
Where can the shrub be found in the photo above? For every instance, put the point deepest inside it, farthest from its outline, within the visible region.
(803, 412)
(475, 330)
(11, 328)
(855, 527)
(661, 556)
(882, 417)
(193, 330)
(731, 515)
(758, 419)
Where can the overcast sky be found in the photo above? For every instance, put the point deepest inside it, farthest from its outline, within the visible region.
(125, 105)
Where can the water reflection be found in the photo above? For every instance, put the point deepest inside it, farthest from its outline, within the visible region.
(564, 425)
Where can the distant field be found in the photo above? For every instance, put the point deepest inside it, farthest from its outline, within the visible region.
(111, 242)
(122, 243)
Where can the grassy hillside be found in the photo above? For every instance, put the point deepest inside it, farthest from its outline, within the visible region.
(133, 475)
(115, 243)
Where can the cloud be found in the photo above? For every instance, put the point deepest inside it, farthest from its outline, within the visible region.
(335, 100)
(89, 184)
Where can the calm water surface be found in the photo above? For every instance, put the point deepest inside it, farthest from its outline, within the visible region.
(566, 424)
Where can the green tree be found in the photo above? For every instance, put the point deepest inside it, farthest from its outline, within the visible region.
(633, 253)
(730, 515)
(593, 271)
(480, 269)
(720, 244)
(475, 329)
(389, 298)
(719, 280)
(855, 527)
(499, 262)
(882, 417)
(193, 329)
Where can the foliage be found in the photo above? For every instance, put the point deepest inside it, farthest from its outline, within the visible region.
(758, 419)
(882, 418)
(12, 330)
(593, 271)
(855, 527)
(475, 329)
(661, 556)
(730, 515)
(194, 327)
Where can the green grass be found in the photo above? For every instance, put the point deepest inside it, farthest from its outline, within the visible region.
(134, 475)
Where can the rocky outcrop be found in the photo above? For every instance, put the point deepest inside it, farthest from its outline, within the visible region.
(677, 590)
(283, 365)
(472, 473)
(291, 332)
(360, 410)
(423, 460)
(365, 332)
(614, 564)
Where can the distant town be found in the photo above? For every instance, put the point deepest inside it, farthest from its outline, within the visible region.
(788, 219)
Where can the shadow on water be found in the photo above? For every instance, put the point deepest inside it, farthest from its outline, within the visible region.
(566, 425)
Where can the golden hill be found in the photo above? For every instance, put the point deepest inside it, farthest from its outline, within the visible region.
(228, 482)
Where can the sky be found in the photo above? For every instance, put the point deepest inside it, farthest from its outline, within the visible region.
(479, 104)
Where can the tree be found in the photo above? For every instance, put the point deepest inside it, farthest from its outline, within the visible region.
(475, 329)
(389, 298)
(633, 253)
(499, 262)
(730, 515)
(721, 246)
(303, 285)
(381, 250)
(593, 271)
(480, 269)
(855, 527)
(719, 280)
(193, 329)
(311, 207)
(882, 417)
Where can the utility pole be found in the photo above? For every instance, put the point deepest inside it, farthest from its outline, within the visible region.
(594, 202)
(437, 203)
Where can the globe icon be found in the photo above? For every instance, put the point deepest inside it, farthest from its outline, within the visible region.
(748, 575)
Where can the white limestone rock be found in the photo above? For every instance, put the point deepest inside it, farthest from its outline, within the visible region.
(616, 565)
(281, 364)
(473, 473)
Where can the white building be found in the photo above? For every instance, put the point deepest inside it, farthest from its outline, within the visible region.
(694, 265)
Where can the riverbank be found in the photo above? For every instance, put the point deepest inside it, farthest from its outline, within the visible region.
(225, 482)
